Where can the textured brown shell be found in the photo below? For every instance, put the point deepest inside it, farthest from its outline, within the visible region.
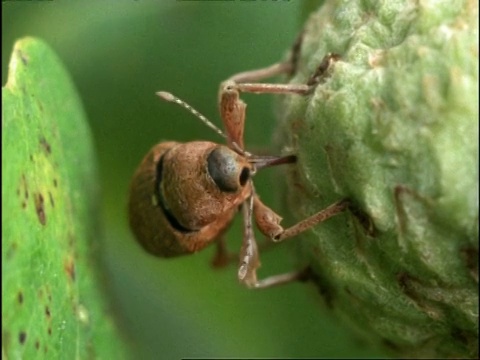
(195, 199)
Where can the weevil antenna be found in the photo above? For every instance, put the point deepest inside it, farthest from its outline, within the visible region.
(172, 98)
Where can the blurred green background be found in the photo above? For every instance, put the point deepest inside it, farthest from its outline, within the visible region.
(119, 53)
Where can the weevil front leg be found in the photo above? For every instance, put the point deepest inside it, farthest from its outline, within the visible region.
(232, 108)
(249, 260)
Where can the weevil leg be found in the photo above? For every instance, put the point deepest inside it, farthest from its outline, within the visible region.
(232, 112)
(222, 256)
(268, 221)
(282, 279)
(321, 72)
(249, 259)
(325, 214)
(232, 108)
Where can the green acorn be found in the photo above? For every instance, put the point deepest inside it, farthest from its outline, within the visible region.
(393, 126)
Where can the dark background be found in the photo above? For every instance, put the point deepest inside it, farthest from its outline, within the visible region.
(119, 53)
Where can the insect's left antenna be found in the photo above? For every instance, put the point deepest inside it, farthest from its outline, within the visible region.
(171, 98)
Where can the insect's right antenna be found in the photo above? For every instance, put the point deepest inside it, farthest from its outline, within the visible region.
(171, 98)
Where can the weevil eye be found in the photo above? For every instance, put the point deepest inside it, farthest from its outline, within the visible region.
(224, 167)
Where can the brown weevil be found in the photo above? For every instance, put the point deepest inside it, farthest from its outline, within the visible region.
(184, 195)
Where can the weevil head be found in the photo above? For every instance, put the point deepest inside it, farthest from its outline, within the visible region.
(229, 171)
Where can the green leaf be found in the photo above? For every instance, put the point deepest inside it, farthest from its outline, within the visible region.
(393, 126)
(53, 304)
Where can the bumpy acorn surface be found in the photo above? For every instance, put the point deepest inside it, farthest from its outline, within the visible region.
(393, 126)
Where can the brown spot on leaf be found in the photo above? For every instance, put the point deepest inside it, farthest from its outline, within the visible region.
(22, 57)
(71, 239)
(22, 337)
(45, 145)
(37, 344)
(50, 196)
(40, 208)
(12, 250)
(69, 266)
(49, 330)
(20, 297)
(31, 158)
(24, 185)
(47, 312)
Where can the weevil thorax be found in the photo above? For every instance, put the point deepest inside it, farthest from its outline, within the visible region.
(202, 181)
